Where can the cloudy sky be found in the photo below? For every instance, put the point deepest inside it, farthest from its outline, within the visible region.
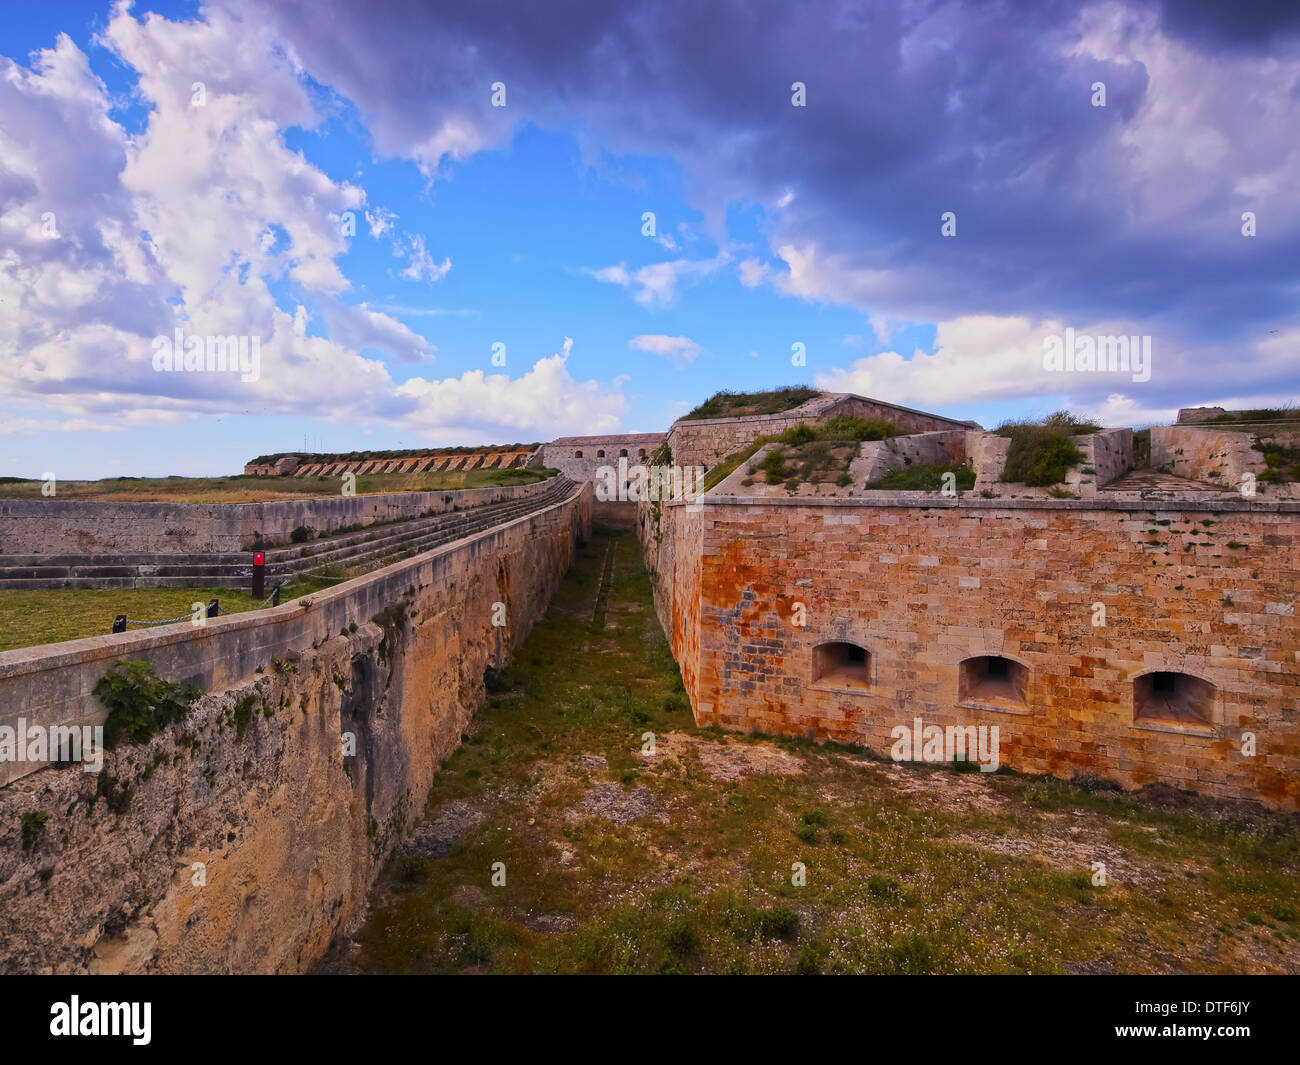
(340, 180)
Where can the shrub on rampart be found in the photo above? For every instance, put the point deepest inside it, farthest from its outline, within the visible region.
(139, 702)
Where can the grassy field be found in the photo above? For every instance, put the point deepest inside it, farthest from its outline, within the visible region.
(28, 618)
(683, 861)
(241, 489)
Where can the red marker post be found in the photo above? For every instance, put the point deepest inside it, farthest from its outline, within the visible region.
(259, 575)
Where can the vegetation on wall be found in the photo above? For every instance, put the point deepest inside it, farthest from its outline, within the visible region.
(140, 702)
(807, 453)
(1041, 453)
(1283, 462)
(1259, 414)
(728, 404)
(926, 477)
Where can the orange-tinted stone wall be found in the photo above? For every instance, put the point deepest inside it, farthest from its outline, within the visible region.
(1207, 592)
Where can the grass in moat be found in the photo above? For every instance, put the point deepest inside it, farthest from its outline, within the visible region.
(32, 617)
(241, 489)
(616, 862)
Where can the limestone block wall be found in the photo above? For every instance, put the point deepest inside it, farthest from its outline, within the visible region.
(671, 537)
(1206, 589)
(1214, 456)
(580, 457)
(879, 457)
(255, 784)
(1106, 455)
(59, 526)
(988, 455)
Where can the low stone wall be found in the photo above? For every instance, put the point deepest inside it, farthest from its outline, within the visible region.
(1203, 587)
(73, 527)
(988, 456)
(1213, 456)
(244, 838)
(879, 457)
(1106, 455)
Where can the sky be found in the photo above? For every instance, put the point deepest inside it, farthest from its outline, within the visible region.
(449, 223)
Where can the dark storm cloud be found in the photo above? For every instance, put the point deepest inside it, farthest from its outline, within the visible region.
(914, 109)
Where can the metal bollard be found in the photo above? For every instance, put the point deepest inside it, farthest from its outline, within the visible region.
(259, 576)
(119, 623)
(214, 608)
(275, 596)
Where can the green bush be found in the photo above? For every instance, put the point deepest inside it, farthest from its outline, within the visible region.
(774, 466)
(779, 922)
(412, 868)
(882, 887)
(301, 534)
(680, 937)
(802, 433)
(33, 828)
(849, 427)
(140, 702)
(1041, 453)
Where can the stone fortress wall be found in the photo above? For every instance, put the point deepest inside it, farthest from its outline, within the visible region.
(707, 441)
(1200, 588)
(842, 614)
(58, 526)
(255, 790)
(581, 457)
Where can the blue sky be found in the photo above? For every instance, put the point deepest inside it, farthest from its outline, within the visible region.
(523, 225)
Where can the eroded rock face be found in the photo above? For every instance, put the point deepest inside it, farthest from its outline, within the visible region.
(244, 838)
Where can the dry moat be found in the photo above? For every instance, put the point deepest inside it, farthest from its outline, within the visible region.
(682, 861)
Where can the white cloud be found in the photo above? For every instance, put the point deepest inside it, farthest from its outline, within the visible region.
(984, 358)
(380, 220)
(655, 286)
(679, 350)
(421, 266)
(187, 223)
(753, 273)
(545, 400)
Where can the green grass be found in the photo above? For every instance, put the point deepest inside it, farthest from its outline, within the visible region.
(32, 617)
(727, 404)
(926, 477)
(891, 885)
(241, 489)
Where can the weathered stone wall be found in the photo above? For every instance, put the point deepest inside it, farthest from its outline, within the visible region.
(671, 538)
(580, 457)
(254, 784)
(1214, 456)
(61, 526)
(1206, 589)
(1106, 455)
(879, 457)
